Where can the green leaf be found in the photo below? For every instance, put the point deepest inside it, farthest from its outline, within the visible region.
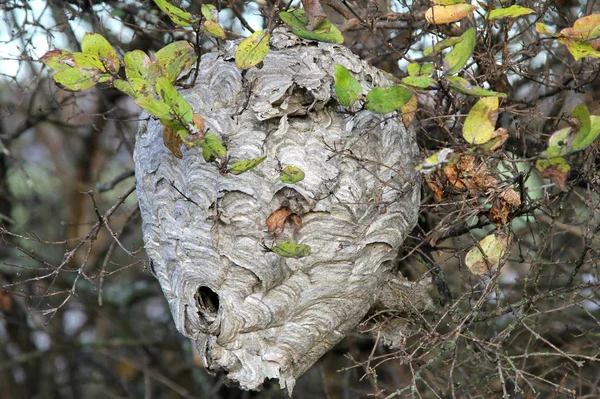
(541, 28)
(210, 12)
(175, 58)
(509, 12)
(416, 69)
(98, 47)
(347, 89)
(421, 82)
(155, 107)
(177, 15)
(136, 64)
(456, 59)
(581, 137)
(480, 124)
(325, 32)
(214, 29)
(463, 86)
(252, 50)
(290, 249)
(244, 166)
(593, 134)
(125, 87)
(179, 107)
(291, 175)
(494, 246)
(212, 148)
(579, 49)
(387, 99)
(440, 46)
(76, 79)
(560, 139)
(57, 60)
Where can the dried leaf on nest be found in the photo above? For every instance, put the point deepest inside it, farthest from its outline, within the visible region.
(172, 142)
(276, 222)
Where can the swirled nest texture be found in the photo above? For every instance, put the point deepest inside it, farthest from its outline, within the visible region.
(251, 312)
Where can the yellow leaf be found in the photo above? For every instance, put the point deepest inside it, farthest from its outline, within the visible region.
(448, 14)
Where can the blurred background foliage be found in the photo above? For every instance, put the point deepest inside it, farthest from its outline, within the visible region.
(81, 315)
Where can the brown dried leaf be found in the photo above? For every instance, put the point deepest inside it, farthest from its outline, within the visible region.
(498, 138)
(452, 173)
(276, 222)
(511, 197)
(409, 110)
(435, 186)
(484, 181)
(466, 164)
(5, 302)
(498, 214)
(198, 122)
(172, 142)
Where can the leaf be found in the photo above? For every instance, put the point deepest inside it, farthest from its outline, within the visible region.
(289, 249)
(456, 59)
(244, 166)
(416, 69)
(494, 246)
(440, 46)
(580, 140)
(421, 82)
(136, 64)
(198, 122)
(252, 50)
(125, 87)
(447, 14)
(579, 49)
(180, 109)
(447, 2)
(499, 137)
(481, 121)
(554, 167)
(463, 86)
(347, 89)
(55, 59)
(98, 47)
(587, 28)
(155, 107)
(176, 14)
(214, 29)
(314, 14)
(291, 175)
(325, 32)
(584, 142)
(172, 141)
(387, 99)
(210, 12)
(175, 58)
(560, 139)
(276, 221)
(509, 12)
(541, 28)
(409, 110)
(434, 161)
(212, 148)
(79, 79)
